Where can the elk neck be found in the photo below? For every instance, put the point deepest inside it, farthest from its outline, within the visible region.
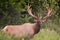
(37, 27)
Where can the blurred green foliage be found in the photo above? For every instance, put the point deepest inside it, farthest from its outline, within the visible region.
(14, 12)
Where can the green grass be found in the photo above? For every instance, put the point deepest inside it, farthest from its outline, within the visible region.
(47, 35)
(44, 34)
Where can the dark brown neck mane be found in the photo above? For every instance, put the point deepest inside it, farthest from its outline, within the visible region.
(37, 27)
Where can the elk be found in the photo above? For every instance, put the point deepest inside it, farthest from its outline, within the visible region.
(28, 29)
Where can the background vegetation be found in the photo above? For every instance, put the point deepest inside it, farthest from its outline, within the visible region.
(14, 12)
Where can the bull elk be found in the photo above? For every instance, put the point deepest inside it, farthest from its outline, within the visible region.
(28, 29)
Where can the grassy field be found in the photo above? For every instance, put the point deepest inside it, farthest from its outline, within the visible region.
(44, 34)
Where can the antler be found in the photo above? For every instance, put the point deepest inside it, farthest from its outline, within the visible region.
(30, 11)
(43, 19)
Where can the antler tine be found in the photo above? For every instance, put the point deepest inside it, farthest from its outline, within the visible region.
(49, 10)
(30, 11)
